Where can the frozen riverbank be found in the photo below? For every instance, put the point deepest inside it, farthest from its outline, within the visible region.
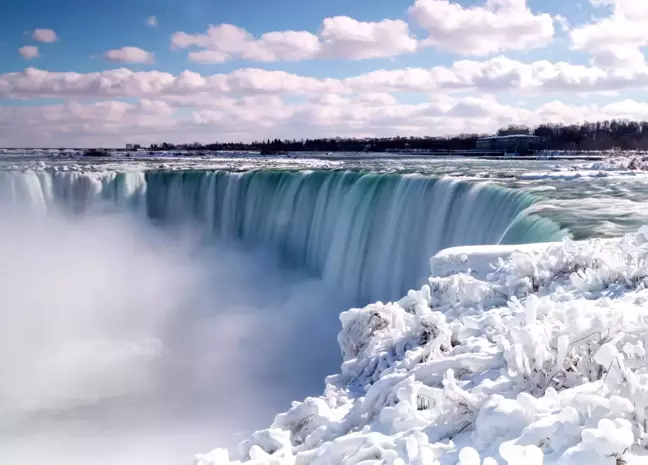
(542, 360)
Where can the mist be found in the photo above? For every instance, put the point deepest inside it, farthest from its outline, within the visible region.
(124, 344)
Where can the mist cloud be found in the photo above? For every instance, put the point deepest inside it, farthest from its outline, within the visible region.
(129, 345)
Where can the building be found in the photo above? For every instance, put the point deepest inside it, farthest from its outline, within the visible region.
(520, 143)
(132, 146)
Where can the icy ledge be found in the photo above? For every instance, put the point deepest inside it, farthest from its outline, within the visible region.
(542, 360)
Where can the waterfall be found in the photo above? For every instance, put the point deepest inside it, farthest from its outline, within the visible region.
(369, 234)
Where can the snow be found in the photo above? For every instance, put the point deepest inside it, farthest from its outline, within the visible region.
(631, 162)
(538, 360)
(614, 166)
(476, 259)
(563, 175)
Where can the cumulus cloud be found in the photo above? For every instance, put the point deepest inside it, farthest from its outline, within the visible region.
(34, 83)
(209, 57)
(226, 41)
(186, 117)
(376, 98)
(72, 123)
(254, 103)
(496, 26)
(339, 37)
(29, 52)
(499, 74)
(129, 55)
(151, 21)
(344, 37)
(366, 99)
(616, 40)
(46, 36)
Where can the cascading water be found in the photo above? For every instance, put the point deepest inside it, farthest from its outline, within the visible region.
(370, 234)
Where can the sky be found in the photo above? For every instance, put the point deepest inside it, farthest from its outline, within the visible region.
(81, 74)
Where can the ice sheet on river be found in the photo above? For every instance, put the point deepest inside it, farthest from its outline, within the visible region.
(542, 360)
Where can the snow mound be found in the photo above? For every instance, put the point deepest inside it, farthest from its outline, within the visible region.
(540, 361)
(630, 163)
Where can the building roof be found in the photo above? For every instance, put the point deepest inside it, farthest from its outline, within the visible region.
(510, 136)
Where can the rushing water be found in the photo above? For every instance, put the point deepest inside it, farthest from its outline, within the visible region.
(369, 234)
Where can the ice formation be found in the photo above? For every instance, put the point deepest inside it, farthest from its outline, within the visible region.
(633, 162)
(540, 361)
(627, 164)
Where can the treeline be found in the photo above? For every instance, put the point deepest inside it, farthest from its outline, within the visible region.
(602, 135)
(338, 144)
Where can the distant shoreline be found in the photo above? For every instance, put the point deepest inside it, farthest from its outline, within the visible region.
(77, 153)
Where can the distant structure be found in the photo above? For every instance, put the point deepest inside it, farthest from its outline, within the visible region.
(518, 143)
(133, 146)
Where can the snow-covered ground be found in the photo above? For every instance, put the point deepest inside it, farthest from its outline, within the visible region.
(540, 361)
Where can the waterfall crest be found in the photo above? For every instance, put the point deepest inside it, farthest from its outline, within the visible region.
(369, 234)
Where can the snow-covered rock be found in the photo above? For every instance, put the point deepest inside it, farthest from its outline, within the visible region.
(539, 360)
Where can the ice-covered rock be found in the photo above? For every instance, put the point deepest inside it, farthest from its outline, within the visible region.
(540, 361)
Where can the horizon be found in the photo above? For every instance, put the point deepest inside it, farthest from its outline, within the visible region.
(97, 75)
(617, 134)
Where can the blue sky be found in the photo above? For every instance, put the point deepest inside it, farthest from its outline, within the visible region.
(503, 59)
(87, 29)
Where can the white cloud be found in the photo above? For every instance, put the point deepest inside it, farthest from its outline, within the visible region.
(253, 103)
(152, 21)
(262, 116)
(502, 74)
(29, 52)
(496, 26)
(498, 74)
(379, 99)
(616, 40)
(376, 98)
(208, 57)
(344, 37)
(258, 81)
(35, 83)
(46, 36)
(285, 45)
(129, 55)
(339, 37)
(74, 123)
(226, 41)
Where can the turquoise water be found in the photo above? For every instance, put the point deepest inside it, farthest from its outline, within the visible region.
(371, 234)
(366, 224)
